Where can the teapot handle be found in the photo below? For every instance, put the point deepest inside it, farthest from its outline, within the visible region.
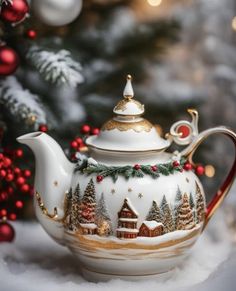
(225, 187)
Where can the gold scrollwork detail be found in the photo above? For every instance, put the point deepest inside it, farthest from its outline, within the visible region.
(121, 106)
(138, 126)
(44, 210)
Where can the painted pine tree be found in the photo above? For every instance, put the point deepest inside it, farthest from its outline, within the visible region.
(68, 208)
(154, 213)
(192, 205)
(88, 204)
(200, 205)
(167, 218)
(103, 219)
(177, 205)
(185, 219)
(75, 208)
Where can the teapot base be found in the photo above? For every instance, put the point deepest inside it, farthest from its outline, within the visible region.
(94, 276)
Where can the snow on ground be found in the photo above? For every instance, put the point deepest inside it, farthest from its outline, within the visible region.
(35, 263)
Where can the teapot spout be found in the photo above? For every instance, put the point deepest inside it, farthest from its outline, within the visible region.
(53, 173)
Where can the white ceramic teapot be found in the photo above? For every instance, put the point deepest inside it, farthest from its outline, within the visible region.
(130, 210)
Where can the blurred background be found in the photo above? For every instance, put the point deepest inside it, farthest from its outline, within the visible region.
(67, 69)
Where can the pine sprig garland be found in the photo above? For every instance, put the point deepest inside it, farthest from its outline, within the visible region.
(127, 172)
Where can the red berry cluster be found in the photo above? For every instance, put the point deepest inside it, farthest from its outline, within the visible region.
(199, 169)
(14, 182)
(77, 144)
(88, 130)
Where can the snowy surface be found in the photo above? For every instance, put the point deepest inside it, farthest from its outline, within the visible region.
(34, 262)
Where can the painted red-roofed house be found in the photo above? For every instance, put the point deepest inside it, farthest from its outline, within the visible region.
(127, 221)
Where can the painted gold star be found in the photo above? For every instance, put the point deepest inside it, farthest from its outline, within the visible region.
(130, 190)
(140, 195)
(55, 183)
(113, 191)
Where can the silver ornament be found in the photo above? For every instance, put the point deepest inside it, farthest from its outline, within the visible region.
(57, 12)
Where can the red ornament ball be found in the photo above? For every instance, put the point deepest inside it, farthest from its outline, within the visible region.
(7, 162)
(31, 34)
(19, 153)
(185, 130)
(25, 188)
(20, 180)
(74, 144)
(27, 173)
(188, 166)
(8, 61)
(14, 12)
(10, 190)
(137, 167)
(199, 170)
(3, 173)
(43, 128)
(99, 178)
(154, 168)
(19, 204)
(3, 196)
(17, 171)
(79, 141)
(7, 232)
(9, 177)
(85, 129)
(95, 131)
(3, 212)
(176, 164)
(12, 216)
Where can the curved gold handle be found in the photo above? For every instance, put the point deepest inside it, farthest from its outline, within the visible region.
(225, 187)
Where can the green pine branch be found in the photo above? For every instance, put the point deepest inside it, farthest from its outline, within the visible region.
(129, 171)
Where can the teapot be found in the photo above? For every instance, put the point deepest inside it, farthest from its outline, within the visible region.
(127, 208)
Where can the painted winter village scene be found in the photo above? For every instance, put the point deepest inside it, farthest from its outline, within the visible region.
(89, 220)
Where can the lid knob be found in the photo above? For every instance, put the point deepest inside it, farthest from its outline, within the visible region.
(128, 106)
(128, 91)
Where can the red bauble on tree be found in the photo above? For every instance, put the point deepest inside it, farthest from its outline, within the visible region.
(7, 232)
(200, 170)
(31, 34)
(14, 11)
(85, 129)
(43, 127)
(9, 61)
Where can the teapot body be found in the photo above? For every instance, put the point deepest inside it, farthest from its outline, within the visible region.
(129, 209)
(135, 227)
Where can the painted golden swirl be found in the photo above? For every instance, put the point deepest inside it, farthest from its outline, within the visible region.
(138, 126)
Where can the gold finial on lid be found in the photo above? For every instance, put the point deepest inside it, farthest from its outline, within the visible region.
(128, 91)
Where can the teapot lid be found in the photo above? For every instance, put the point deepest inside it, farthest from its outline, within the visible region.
(128, 130)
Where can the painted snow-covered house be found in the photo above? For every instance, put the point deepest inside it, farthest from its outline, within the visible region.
(151, 228)
(88, 228)
(127, 221)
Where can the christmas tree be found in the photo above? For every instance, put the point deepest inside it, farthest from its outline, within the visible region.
(177, 205)
(167, 218)
(185, 217)
(154, 213)
(88, 204)
(200, 205)
(192, 205)
(63, 74)
(103, 220)
(68, 208)
(75, 208)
